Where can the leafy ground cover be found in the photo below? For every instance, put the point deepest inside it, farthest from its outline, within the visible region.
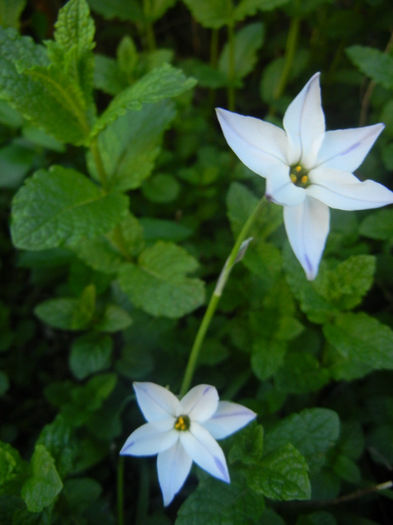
(120, 202)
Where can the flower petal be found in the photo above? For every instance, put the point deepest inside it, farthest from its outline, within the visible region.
(287, 194)
(345, 149)
(258, 144)
(304, 122)
(149, 439)
(307, 226)
(200, 402)
(155, 401)
(173, 467)
(229, 418)
(344, 191)
(205, 451)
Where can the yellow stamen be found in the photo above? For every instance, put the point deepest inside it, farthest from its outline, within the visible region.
(304, 179)
(298, 168)
(182, 423)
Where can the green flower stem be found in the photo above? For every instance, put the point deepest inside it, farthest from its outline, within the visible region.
(216, 296)
(290, 48)
(150, 37)
(143, 495)
(120, 490)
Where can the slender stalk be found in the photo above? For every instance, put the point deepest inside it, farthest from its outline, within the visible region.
(215, 298)
(120, 490)
(150, 37)
(290, 48)
(143, 495)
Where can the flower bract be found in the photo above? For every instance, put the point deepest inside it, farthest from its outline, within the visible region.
(183, 431)
(307, 168)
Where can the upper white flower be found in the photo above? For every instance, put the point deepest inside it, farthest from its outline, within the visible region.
(307, 169)
(181, 432)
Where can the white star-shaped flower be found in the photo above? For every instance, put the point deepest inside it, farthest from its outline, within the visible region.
(184, 431)
(307, 169)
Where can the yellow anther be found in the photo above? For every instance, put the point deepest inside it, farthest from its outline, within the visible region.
(182, 423)
(298, 168)
(293, 177)
(304, 179)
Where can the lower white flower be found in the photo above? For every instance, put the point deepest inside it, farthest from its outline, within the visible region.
(307, 169)
(184, 431)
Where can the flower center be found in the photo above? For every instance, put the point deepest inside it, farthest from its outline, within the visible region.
(182, 423)
(299, 176)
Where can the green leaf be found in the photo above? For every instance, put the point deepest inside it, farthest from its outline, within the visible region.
(107, 75)
(130, 145)
(250, 7)
(346, 469)
(159, 284)
(247, 41)
(373, 63)
(345, 285)
(27, 81)
(247, 445)
(122, 9)
(301, 373)
(44, 483)
(58, 438)
(281, 475)
(210, 13)
(158, 8)
(160, 229)
(67, 313)
(160, 83)
(75, 27)
(313, 432)
(161, 188)
(87, 399)
(267, 357)
(15, 162)
(216, 503)
(90, 353)
(62, 205)
(114, 319)
(360, 344)
(10, 12)
(80, 493)
(205, 74)
(378, 225)
(10, 463)
(319, 518)
(107, 253)
(241, 202)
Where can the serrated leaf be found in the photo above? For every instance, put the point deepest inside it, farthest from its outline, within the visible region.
(90, 353)
(361, 344)
(301, 373)
(247, 41)
(130, 145)
(44, 484)
(107, 75)
(247, 445)
(28, 80)
(378, 225)
(159, 283)
(161, 188)
(313, 432)
(75, 27)
(58, 438)
(160, 83)
(216, 503)
(345, 285)
(61, 205)
(373, 63)
(281, 475)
